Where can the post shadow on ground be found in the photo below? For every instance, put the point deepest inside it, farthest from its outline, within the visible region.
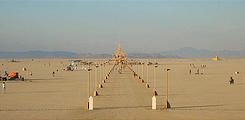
(36, 79)
(113, 95)
(158, 106)
(193, 107)
(163, 95)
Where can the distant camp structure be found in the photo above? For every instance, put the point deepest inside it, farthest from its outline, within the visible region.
(74, 65)
(12, 76)
(13, 60)
(120, 55)
(76, 60)
(216, 58)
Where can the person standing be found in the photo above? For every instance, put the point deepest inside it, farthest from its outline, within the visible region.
(4, 87)
(53, 73)
(1, 82)
(6, 74)
(231, 80)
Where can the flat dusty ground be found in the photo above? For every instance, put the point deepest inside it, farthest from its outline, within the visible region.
(206, 96)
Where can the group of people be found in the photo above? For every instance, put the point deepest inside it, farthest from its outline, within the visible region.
(231, 81)
(197, 72)
(202, 66)
(4, 83)
(197, 69)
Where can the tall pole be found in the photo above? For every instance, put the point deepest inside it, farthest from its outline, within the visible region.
(154, 81)
(147, 77)
(96, 81)
(167, 85)
(89, 103)
(104, 70)
(136, 68)
(147, 84)
(167, 104)
(89, 69)
(154, 78)
(100, 85)
(142, 75)
(96, 77)
(101, 73)
(88, 83)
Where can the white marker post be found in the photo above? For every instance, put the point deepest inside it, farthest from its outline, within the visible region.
(91, 102)
(154, 103)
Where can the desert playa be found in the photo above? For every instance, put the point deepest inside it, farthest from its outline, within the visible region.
(179, 60)
(42, 96)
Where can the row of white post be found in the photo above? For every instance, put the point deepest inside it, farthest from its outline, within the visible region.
(90, 103)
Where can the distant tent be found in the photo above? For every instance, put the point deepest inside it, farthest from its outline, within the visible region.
(14, 74)
(75, 60)
(216, 58)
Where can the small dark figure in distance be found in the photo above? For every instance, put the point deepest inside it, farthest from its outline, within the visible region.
(197, 71)
(4, 87)
(231, 80)
(5, 73)
(53, 73)
(134, 74)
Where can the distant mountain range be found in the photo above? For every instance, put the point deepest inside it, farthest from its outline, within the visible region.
(37, 54)
(187, 52)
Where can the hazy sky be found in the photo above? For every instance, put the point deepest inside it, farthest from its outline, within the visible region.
(141, 26)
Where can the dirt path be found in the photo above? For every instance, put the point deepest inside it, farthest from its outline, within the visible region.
(122, 91)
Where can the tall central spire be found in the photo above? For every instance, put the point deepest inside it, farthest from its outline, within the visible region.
(120, 55)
